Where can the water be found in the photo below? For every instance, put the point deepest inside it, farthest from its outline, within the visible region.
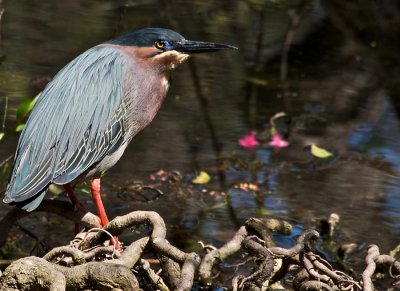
(340, 93)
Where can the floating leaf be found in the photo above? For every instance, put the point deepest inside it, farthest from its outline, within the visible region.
(320, 152)
(264, 212)
(257, 81)
(20, 127)
(202, 178)
(1, 135)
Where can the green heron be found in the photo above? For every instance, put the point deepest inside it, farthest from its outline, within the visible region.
(86, 116)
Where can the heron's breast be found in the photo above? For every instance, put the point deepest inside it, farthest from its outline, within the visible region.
(154, 97)
(145, 94)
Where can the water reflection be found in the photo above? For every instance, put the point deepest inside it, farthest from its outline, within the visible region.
(338, 90)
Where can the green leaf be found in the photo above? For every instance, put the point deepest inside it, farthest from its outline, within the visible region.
(2, 59)
(33, 102)
(20, 127)
(202, 178)
(320, 152)
(5, 172)
(1, 135)
(84, 190)
(25, 107)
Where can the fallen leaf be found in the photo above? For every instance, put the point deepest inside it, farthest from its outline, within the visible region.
(202, 178)
(220, 205)
(320, 152)
(247, 186)
(160, 175)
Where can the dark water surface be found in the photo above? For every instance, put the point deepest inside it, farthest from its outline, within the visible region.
(341, 92)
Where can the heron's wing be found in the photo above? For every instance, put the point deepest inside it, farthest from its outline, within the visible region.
(91, 150)
(77, 120)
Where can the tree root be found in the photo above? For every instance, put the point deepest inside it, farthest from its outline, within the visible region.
(89, 262)
(77, 266)
(34, 273)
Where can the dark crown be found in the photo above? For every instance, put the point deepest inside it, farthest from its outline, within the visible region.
(147, 37)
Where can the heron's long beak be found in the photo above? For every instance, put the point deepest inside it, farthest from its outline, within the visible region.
(189, 46)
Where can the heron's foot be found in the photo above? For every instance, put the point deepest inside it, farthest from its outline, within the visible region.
(116, 243)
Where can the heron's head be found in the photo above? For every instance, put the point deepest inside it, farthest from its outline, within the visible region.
(163, 48)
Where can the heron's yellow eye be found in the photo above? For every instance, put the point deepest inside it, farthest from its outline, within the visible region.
(160, 44)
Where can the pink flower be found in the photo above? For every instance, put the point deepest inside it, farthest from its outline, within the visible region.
(277, 141)
(249, 141)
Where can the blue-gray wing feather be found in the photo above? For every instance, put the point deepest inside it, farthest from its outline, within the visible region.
(77, 120)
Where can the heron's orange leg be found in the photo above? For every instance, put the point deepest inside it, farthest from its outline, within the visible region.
(95, 187)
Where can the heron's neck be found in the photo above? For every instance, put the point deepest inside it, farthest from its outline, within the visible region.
(145, 94)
